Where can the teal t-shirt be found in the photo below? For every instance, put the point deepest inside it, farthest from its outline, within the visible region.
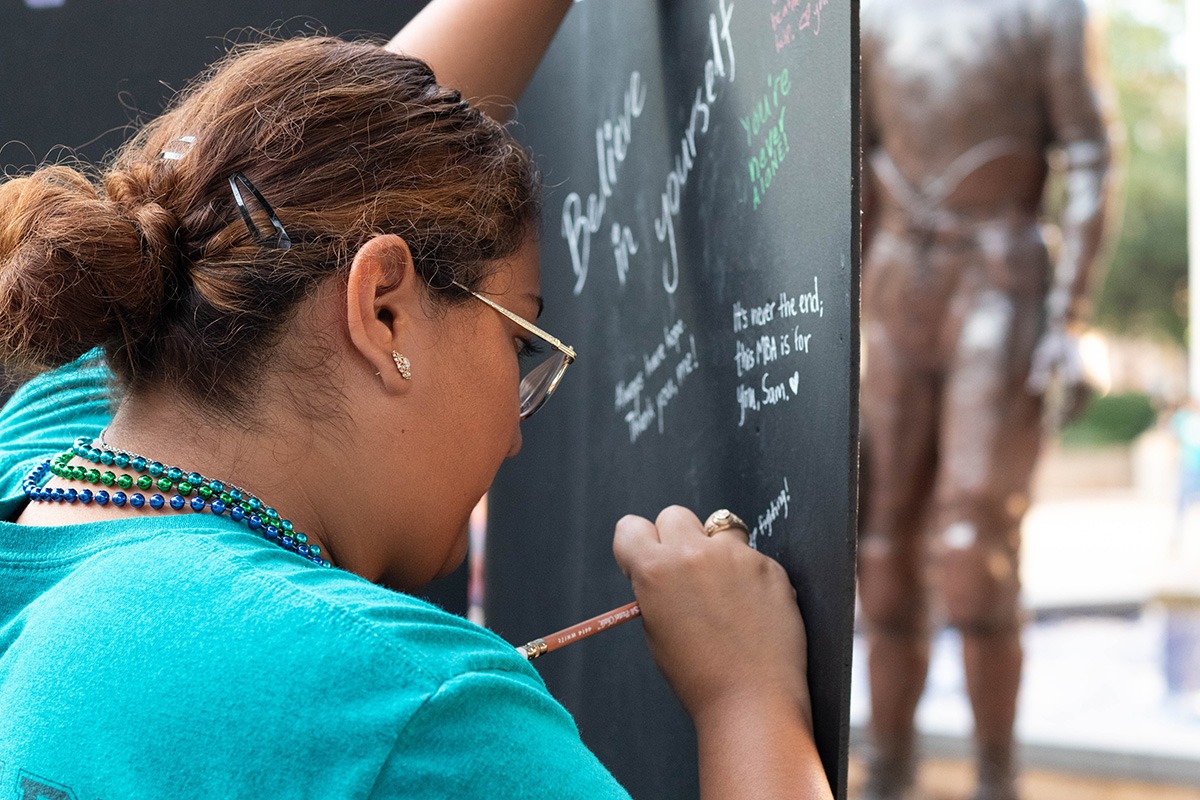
(179, 655)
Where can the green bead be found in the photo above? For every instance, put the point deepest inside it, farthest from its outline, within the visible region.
(205, 492)
(226, 498)
(184, 488)
(164, 484)
(125, 481)
(145, 482)
(77, 473)
(107, 478)
(93, 475)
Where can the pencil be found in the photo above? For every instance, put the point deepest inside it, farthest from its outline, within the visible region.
(582, 630)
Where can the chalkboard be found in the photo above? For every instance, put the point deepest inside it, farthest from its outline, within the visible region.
(700, 252)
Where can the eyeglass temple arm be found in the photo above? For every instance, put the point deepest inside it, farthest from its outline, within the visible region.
(566, 350)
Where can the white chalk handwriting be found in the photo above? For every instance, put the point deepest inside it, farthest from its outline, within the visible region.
(721, 64)
(580, 220)
(776, 333)
(642, 400)
(765, 522)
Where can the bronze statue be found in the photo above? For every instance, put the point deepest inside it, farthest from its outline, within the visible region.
(965, 320)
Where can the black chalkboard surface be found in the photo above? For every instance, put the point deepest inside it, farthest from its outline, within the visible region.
(700, 253)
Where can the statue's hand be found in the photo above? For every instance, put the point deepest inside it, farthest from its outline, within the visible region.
(1057, 374)
(1057, 356)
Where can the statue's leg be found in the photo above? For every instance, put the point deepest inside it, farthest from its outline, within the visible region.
(989, 442)
(899, 413)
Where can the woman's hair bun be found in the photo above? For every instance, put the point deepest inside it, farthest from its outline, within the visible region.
(77, 268)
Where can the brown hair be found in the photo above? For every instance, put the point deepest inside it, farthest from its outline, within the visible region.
(151, 260)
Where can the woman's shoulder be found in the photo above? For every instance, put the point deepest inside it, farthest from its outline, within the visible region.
(305, 612)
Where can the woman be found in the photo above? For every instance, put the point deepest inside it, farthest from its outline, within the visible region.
(312, 281)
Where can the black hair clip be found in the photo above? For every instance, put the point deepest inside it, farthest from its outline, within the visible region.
(280, 241)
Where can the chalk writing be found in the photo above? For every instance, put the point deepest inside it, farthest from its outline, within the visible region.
(766, 136)
(670, 364)
(765, 524)
(580, 220)
(768, 345)
(721, 64)
(788, 21)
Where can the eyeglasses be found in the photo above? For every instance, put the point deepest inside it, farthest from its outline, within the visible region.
(539, 376)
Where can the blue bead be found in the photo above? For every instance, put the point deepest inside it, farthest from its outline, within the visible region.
(236, 514)
(288, 542)
(94, 454)
(44, 494)
(85, 496)
(235, 494)
(101, 498)
(57, 494)
(195, 478)
(197, 504)
(72, 495)
(272, 532)
(218, 507)
(106, 457)
(216, 486)
(138, 463)
(302, 549)
(177, 502)
(174, 473)
(156, 501)
(156, 468)
(137, 501)
(121, 460)
(255, 522)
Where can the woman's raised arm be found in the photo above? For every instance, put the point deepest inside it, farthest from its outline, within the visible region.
(487, 49)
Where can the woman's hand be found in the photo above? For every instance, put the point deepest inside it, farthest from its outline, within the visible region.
(720, 617)
(722, 624)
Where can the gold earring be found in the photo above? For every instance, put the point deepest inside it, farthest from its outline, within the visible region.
(402, 365)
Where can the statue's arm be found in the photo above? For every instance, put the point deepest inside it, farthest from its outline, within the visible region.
(1079, 116)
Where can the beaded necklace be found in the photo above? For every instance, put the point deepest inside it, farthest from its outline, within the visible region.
(216, 496)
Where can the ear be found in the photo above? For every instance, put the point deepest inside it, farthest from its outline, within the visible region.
(383, 297)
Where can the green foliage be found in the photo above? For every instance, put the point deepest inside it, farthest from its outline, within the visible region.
(1112, 419)
(1146, 287)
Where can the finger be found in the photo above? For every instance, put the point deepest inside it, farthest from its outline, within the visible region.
(678, 525)
(633, 539)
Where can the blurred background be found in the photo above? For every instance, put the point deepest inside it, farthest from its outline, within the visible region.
(1110, 564)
